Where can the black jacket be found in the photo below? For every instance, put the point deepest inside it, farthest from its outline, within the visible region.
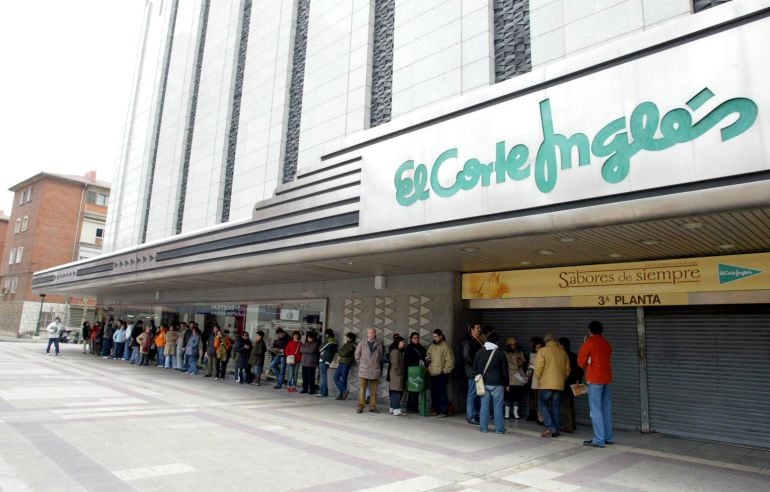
(497, 373)
(413, 354)
(471, 346)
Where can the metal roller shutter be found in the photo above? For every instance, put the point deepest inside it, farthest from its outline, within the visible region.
(708, 372)
(620, 330)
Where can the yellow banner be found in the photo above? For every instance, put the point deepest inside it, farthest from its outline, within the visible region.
(625, 284)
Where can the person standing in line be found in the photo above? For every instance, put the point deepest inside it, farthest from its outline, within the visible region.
(552, 369)
(127, 343)
(293, 360)
(396, 373)
(441, 362)
(346, 360)
(595, 357)
(222, 344)
(96, 338)
(181, 344)
(160, 345)
(535, 344)
(242, 351)
(492, 364)
(85, 332)
(257, 357)
(328, 351)
(54, 330)
(211, 352)
(137, 330)
(368, 356)
(169, 351)
(145, 342)
(471, 345)
(414, 355)
(568, 423)
(109, 331)
(119, 340)
(517, 378)
(278, 350)
(191, 350)
(310, 359)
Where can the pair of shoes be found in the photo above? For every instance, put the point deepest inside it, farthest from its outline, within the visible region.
(483, 430)
(546, 433)
(441, 416)
(555, 434)
(319, 395)
(374, 410)
(472, 421)
(501, 432)
(540, 422)
(277, 387)
(609, 442)
(339, 397)
(303, 392)
(433, 413)
(57, 355)
(360, 410)
(345, 394)
(390, 411)
(592, 444)
(208, 376)
(396, 412)
(47, 353)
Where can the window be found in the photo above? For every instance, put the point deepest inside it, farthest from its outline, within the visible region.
(21, 198)
(99, 232)
(29, 194)
(14, 284)
(97, 198)
(13, 256)
(6, 285)
(18, 226)
(24, 223)
(19, 252)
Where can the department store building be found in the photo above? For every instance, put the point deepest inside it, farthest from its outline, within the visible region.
(422, 164)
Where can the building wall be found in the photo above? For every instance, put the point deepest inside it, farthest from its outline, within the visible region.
(205, 181)
(4, 226)
(337, 82)
(441, 49)
(560, 28)
(264, 105)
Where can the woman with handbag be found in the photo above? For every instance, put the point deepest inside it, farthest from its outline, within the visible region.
(414, 355)
(517, 378)
(293, 360)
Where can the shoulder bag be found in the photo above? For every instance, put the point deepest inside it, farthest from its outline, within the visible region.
(481, 390)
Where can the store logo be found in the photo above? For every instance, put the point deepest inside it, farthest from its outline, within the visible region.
(730, 273)
(618, 141)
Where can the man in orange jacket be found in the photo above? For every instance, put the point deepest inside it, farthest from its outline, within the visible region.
(594, 357)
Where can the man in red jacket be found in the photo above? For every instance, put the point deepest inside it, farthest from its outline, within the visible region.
(594, 357)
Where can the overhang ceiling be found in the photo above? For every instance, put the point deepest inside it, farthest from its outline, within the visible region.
(737, 232)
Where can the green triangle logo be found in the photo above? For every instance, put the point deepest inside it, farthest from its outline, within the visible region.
(731, 273)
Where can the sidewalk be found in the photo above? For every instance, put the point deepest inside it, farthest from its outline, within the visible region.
(81, 422)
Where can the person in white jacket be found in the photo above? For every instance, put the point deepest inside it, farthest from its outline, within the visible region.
(54, 330)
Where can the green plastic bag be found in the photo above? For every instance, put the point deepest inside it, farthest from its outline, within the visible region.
(415, 379)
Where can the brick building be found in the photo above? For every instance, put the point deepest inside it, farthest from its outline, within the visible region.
(55, 219)
(3, 228)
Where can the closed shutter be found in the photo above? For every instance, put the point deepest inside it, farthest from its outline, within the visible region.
(619, 329)
(709, 372)
(74, 317)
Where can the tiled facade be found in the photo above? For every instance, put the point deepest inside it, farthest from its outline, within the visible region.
(243, 93)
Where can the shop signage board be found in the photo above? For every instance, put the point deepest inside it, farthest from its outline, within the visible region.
(690, 113)
(653, 283)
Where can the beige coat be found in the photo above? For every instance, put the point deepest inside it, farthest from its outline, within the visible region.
(171, 339)
(552, 366)
(369, 362)
(442, 360)
(396, 370)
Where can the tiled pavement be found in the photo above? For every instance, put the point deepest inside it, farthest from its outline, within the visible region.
(79, 422)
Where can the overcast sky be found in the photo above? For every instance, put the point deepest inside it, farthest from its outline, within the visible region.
(65, 82)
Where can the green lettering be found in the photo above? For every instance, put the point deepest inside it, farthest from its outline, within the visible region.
(546, 169)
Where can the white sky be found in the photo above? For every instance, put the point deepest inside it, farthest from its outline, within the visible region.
(65, 79)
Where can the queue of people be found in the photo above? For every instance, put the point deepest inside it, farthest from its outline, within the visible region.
(508, 374)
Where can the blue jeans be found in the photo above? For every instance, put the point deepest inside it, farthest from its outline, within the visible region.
(600, 405)
(119, 350)
(395, 399)
(135, 354)
(494, 394)
(291, 375)
(192, 364)
(106, 346)
(126, 349)
(161, 359)
(169, 362)
(323, 371)
(278, 365)
(341, 377)
(472, 401)
(55, 342)
(550, 406)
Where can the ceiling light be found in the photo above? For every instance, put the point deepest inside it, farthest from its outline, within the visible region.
(727, 246)
(691, 225)
(470, 250)
(649, 242)
(567, 239)
(524, 263)
(615, 255)
(546, 252)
